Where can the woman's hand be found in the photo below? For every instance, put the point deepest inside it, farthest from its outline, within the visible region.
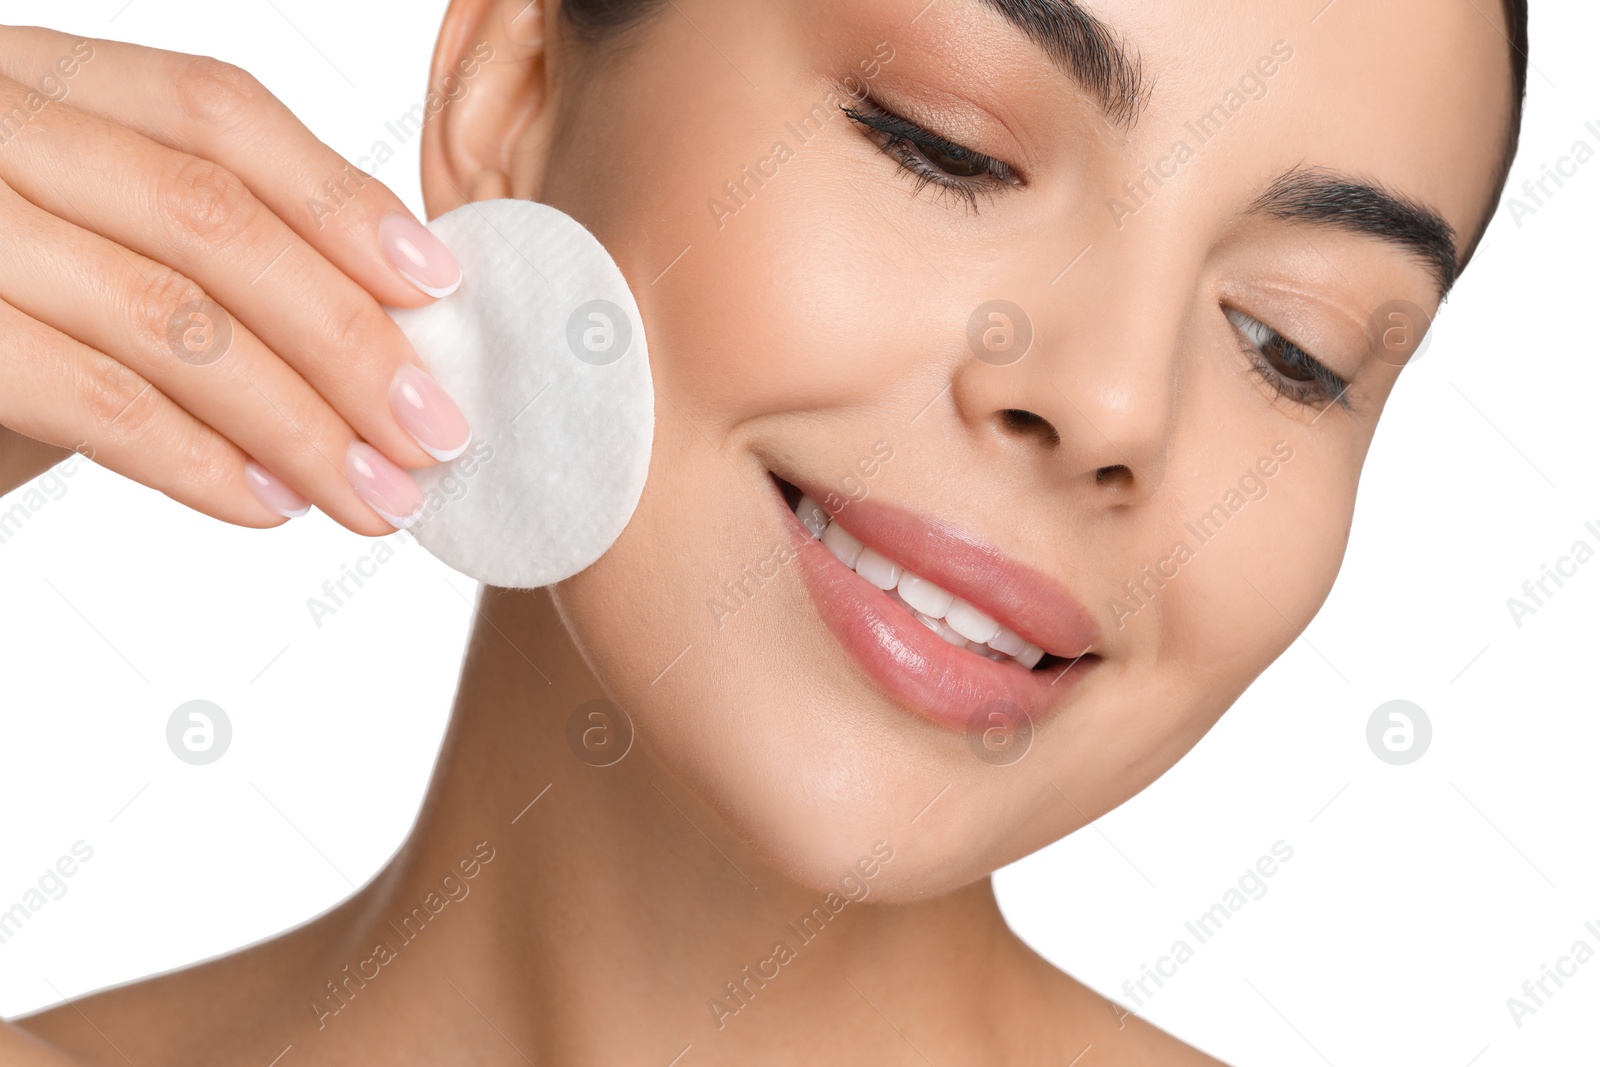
(190, 286)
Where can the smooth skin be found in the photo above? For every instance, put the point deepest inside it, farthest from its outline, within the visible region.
(162, 179)
(827, 313)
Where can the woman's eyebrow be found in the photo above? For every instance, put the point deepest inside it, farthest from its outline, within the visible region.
(1086, 50)
(1325, 197)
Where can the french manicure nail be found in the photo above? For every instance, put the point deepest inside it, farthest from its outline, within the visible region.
(418, 255)
(387, 489)
(421, 405)
(273, 491)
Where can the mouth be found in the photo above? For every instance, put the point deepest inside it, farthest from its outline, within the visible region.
(938, 618)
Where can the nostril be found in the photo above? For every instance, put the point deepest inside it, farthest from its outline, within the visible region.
(1027, 422)
(1117, 474)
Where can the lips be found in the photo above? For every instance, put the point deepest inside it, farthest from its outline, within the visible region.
(921, 661)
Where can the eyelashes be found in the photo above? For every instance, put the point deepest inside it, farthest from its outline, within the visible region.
(1291, 370)
(952, 169)
(955, 170)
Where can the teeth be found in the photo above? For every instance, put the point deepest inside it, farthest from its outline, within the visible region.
(878, 569)
(939, 627)
(842, 543)
(924, 596)
(948, 632)
(812, 516)
(971, 623)
(1007, 642)
(953, 619)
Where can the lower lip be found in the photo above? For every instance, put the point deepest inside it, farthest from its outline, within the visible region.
(953, 687)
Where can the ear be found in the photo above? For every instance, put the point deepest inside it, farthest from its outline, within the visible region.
(487, 92)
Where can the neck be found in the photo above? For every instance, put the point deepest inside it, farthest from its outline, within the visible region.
(609, 916)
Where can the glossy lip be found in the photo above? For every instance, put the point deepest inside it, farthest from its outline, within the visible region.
(925, 674)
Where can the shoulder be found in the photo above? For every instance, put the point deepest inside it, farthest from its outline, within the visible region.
(19, 1047)
(1141, 1043)
(108, 1027)
(1084, 1019)
(224, 1010)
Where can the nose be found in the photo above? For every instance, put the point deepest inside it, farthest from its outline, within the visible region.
(1080, 381)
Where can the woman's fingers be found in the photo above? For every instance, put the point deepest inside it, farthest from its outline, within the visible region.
(189, 227)
(198, 218)
(166, 330)
(214, 110)
(54, 389)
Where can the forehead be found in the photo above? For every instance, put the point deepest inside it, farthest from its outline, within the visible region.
(1416, 95)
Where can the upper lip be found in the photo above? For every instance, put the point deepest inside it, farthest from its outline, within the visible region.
(1037, 607)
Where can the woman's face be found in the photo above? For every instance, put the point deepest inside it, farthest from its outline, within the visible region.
(1154, 475)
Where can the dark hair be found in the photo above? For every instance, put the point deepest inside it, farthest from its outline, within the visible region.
(596, 20)
(1517, 35)
(1517, 21)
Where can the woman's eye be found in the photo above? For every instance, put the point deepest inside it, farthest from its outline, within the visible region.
(962, 164)
(932, 159)
(1290, 369)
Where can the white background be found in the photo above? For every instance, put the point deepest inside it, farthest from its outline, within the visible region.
(1418, 899)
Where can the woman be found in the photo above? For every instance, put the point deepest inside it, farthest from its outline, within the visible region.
(1017, 361)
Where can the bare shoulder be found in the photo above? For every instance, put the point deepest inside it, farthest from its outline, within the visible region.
(126, 1023)
(218, 1011)
(1104, 1033)
(1143, 1043)
(20, 1048)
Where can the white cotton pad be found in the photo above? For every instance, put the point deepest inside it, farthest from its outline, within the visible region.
(543, 348)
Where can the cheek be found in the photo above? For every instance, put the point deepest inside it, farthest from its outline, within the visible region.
(1207, 598)
(791, 305)
(1257, 575)
(754, 240)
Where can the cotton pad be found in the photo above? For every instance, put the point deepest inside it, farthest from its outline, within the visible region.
(543, 348)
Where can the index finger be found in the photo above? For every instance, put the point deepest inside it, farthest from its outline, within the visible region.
(217, 111)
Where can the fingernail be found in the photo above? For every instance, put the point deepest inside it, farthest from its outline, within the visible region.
(422, 406)
(418, 255)
(389, 490)
(273, 491)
